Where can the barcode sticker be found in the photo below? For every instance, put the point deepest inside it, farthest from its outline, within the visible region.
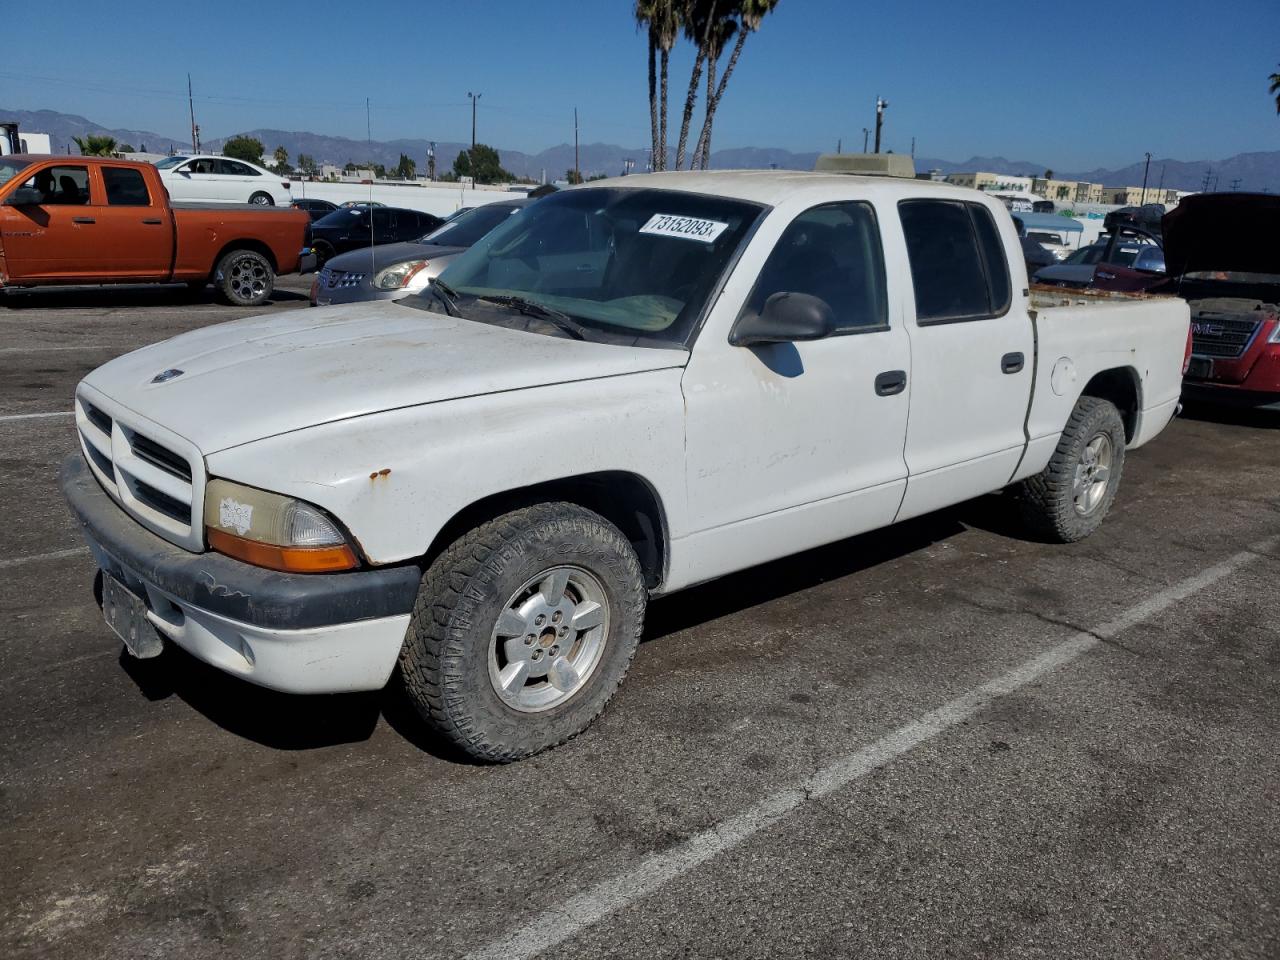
(687, 228)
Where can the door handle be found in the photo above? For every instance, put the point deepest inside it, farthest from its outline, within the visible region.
(153, 222)
(891, 382)
(83, 220)
(1012, 363)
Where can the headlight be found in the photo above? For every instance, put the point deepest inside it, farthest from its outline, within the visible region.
(269, 530)
(393, 278)
(1275, 335)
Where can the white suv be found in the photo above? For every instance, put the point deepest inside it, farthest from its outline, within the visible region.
(210, 179)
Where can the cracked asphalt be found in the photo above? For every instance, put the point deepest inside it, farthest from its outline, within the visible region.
(1119, 803)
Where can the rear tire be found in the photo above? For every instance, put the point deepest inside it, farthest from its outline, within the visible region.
(262, 199)
(244, 278)
(523, 630)
(1069, 498)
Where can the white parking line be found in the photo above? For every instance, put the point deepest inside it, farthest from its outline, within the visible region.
(590, 907)
(58, 348)
(38, 557)
(37, 416)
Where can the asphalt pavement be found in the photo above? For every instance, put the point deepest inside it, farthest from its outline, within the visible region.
(939, 740)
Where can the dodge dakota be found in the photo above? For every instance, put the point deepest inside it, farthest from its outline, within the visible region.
(633, 387)
(91, 220)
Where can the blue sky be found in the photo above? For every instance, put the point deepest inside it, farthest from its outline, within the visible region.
(1070, 85)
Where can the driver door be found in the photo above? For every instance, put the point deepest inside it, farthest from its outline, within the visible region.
(795, 444)
(58, 238)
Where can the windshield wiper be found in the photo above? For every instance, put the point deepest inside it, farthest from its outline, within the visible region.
(534, 309)
(446, 295)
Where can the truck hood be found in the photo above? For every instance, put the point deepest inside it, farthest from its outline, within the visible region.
(263, 376)
(1232, 232)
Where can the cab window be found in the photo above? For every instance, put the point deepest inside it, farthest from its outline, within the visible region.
(832, 252)
(125, 187)
(958, 268)
(61, 186)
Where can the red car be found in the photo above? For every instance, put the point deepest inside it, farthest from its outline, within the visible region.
(1223, 259)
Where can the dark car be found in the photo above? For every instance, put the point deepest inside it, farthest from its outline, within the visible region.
(314, 208)
(350, 228)
(398, 269)
(1129, 259)
(1036, 255)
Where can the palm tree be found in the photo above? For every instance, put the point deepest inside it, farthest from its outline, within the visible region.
(718, 37)
(94, 145)
(700, 21)
(661, 19)
(751, 14)
(1275, 89)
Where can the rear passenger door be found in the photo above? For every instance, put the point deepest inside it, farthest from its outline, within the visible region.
(972, 354)
(137, 223)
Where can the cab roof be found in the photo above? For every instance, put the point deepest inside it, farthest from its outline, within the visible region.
(774, 186)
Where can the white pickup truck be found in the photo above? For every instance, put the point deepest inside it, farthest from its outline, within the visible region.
(635, 386)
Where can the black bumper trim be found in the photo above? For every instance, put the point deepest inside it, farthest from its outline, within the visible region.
(222, 585)
(1206, 391)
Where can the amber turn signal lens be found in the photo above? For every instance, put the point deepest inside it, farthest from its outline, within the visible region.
(285, 559)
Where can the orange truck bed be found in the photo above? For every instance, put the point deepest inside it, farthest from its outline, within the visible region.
(92, 220)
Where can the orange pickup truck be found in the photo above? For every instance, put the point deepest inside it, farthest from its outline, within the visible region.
(90, 220)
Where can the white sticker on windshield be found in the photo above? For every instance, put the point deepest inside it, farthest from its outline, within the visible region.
(688, 228)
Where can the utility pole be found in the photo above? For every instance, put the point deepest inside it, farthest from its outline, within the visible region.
(881, 103)
(865, 134)
(471, 157)
(1204, 187)
(195, 131)
(431, 160)
(1161, 187)
(839, 144)
(913, 148)
(577, 168)
(1146, 170)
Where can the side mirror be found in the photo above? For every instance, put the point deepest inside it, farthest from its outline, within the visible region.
(24, 197)
(786, 317)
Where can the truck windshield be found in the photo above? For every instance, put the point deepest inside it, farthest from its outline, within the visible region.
(9, 168)
(638, 262)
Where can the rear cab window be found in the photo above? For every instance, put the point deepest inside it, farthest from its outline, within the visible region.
(125, 187)
(958, 266)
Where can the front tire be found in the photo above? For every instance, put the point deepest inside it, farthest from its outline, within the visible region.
(1069, 499)
(261, 199)
(244, 278)
(523, 630)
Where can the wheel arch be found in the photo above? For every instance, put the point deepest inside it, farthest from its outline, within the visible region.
(625, 499)
(1122, 387)
(246, 243)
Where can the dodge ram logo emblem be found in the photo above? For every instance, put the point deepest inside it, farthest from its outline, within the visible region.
(166, 375)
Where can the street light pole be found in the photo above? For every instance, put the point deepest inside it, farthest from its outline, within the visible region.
(1146, 170)
(865, 134)
(881, 103)
(471, 157)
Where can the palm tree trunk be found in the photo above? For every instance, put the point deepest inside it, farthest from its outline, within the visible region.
(660, 158)
(713, 102)
(699, 153)
(690, 100)
(653, 90)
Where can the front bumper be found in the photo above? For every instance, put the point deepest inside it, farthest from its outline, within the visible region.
(363, 293)
(1231, 395)
(315, 633)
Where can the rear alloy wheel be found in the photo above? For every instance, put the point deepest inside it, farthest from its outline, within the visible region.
(1069, 499)
(262, 199)
(245, 278)
(523, 630)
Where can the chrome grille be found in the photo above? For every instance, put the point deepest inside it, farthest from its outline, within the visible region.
(151, 473)
(1222, 336)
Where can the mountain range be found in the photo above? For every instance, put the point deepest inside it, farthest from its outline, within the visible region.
(1254, 171)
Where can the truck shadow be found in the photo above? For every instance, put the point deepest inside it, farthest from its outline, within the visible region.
(151, 295)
